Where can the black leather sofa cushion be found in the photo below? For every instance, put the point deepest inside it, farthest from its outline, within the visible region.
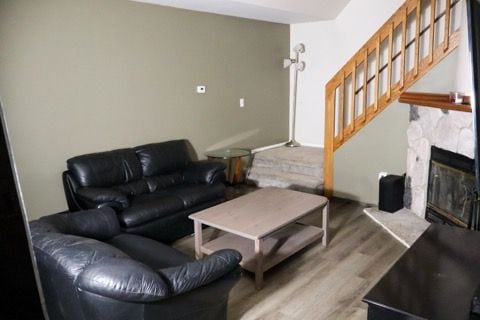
(154, 254)
(105, 169)
(148, 207)
(123, 279)
(164, 181)
(193, 195)
(206, 172)
(171, 226)
(164, 157)
(133, 188)
(95, 197)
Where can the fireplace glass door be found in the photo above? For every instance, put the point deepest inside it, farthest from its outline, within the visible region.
(451, 186)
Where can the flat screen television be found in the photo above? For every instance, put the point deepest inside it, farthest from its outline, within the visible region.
(473, 16)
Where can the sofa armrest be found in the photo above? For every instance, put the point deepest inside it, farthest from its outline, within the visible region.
(70, 186)
(195, 274)
(123, 279)
(204, 171)
(102, 197)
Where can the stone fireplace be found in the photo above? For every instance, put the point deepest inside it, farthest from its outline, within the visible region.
(447, 130)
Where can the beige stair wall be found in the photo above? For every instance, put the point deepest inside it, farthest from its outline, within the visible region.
(380, 146)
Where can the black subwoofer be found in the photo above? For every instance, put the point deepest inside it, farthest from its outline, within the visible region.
(391, 191)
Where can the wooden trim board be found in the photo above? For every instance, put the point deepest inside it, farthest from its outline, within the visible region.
(276, 247)
(434, 100)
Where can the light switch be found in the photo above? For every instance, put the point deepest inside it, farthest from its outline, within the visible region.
(242, 102)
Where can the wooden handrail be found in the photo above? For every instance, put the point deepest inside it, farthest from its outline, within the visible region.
(387, 87)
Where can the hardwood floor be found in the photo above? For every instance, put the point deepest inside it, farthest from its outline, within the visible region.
(319, 283)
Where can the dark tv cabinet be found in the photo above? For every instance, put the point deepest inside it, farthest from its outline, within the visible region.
(435, 279)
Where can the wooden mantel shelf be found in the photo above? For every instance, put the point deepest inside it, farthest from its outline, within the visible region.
(435, 100)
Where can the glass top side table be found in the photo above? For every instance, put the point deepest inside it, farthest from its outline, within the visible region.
(233, 157)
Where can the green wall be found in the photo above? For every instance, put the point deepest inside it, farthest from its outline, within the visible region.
(93, 75)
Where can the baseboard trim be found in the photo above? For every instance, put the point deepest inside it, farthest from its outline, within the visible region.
(273, 146)
(312, 145)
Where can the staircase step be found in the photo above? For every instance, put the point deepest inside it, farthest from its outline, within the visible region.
(268, 177)
(302, 160)
(289, 167)
(307, 156)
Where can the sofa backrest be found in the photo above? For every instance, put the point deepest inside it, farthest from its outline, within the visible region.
(105, 169)
(163, 158)
(99, 224)
(65, 244)
(80, 273)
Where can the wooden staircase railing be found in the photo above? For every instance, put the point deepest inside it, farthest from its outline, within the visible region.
(403, 50)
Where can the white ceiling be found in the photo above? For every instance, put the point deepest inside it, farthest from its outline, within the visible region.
(281, 11)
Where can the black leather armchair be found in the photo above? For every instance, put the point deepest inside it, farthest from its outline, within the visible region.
(90, 270)
(153, 188)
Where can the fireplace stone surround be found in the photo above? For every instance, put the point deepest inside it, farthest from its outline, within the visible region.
(448, 130)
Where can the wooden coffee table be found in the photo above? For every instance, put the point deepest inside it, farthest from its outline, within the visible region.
(263, 226)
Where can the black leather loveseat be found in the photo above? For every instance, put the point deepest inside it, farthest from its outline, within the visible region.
(153, 188)
(89, 270)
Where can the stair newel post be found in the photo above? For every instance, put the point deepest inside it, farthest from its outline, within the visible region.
(329, 138)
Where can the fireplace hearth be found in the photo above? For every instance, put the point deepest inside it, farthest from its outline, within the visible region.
(451, 188)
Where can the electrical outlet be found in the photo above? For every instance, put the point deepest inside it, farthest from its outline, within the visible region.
(201, 89)
(382, 174)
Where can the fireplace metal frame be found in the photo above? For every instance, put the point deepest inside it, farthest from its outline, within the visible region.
(473, 21)
(456, 163)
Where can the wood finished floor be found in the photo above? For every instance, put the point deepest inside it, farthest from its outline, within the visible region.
(318, 283)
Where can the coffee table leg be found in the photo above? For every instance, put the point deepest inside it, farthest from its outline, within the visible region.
(325, 224)
(259, 266)
(197, 225)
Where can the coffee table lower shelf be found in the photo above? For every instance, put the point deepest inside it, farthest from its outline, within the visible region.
(276, 247)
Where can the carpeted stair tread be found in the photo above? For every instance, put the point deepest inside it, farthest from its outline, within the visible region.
(304, 156)
(289, 166)
(266, 177)
(293, 168)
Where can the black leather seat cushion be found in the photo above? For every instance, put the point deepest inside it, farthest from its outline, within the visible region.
(154, 254)
(193, 195)
(148, 207)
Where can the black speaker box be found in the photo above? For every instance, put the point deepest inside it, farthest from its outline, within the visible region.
(391, 192)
